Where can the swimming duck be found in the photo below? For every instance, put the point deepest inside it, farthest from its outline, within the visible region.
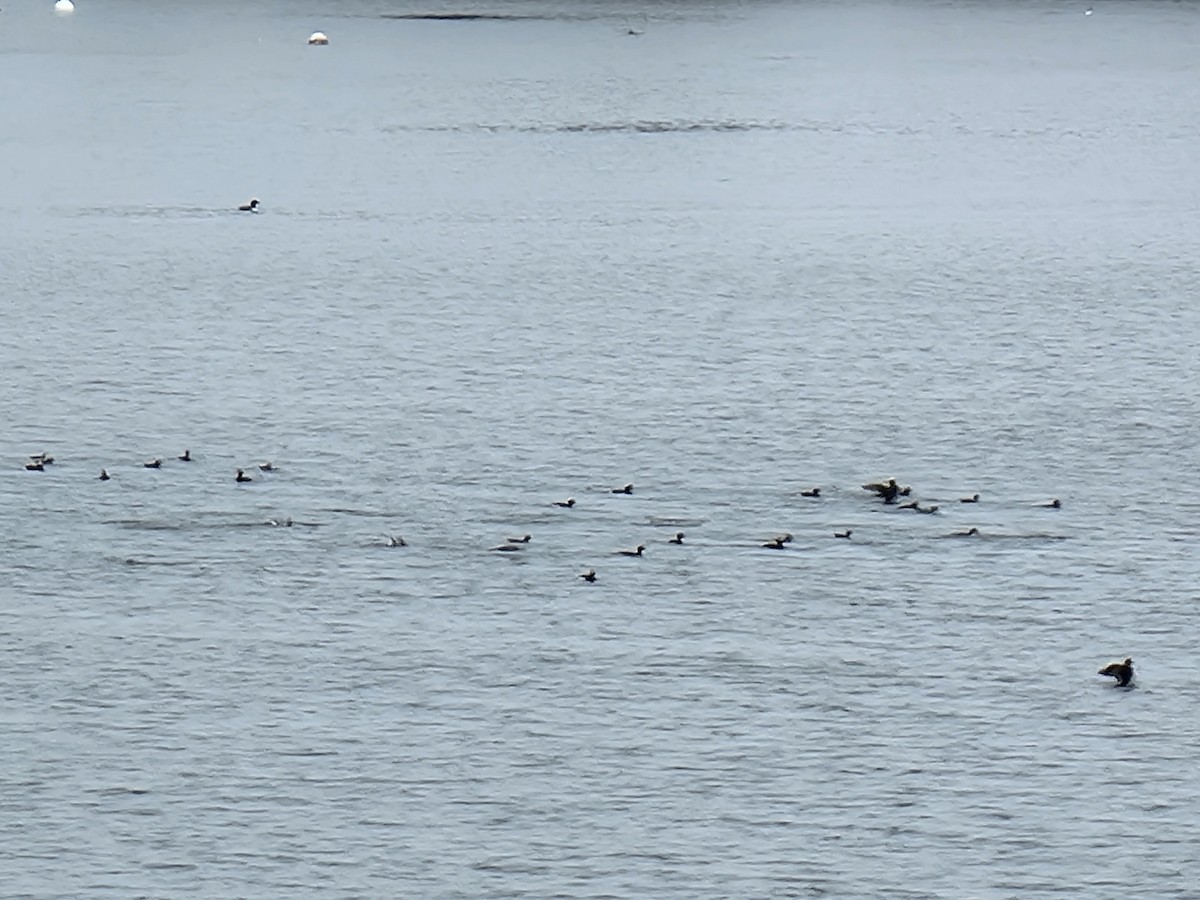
(972, 499)
(911, 504)
(970, 532)
(638, 552)
(252, 206)
(104, 476)
(565, 504)
(589, 576)
(626, 489)
(394, 540)
(1122, 671)
(843, 534)
(888, 490)
(815, 492)
(35, 466)
(928, 510)
(1053, 504)
(242, 477)
(778, 542)
(318, 39)
(523, 539)
(44, 458)
(152, 464)
(186, 457)
(266, 467)
(678, 539)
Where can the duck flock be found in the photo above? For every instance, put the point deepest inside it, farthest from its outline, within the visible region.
(888, 491)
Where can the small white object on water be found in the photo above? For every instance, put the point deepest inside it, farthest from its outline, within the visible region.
(317, 37)
(64, 6)
(1088, 11)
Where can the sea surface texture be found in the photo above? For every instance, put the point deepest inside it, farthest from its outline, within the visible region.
(749, 249)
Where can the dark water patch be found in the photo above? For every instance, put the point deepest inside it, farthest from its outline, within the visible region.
(644, 126)
(141, 212)
(471, 17)
(202, 213)
(133, 561)
(363, 513)
(306, 753)
(672, 522)
(118, 791)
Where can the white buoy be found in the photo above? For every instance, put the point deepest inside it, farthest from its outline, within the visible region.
(64, 6)
(317, 37)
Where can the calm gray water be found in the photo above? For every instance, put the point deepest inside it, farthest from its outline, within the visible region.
(756, 248)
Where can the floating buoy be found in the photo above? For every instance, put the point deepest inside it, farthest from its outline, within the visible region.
(317, 37)
(64, 6)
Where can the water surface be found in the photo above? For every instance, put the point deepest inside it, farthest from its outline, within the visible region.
(501, 261)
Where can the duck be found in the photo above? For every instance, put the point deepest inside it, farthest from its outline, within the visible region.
(186, 456)
(911, 504)
(928, 510)
(565, 504)
(1122, 671)
(252, 206)
(394, 540)
(44, 458)
(971, 499)
(970, 532)
(318, 39)
(778, 542)
(678, 539)
(814, 492)
(624, 489)
(63, 6)
(843, 534)
(104, 476)
(35, 466)
(266, 467)
(523, 539)
(1053, 504)
(589, 576)
(888, 490)
(242, 477)
(152, 464)
(278, 523)
(641, 548)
